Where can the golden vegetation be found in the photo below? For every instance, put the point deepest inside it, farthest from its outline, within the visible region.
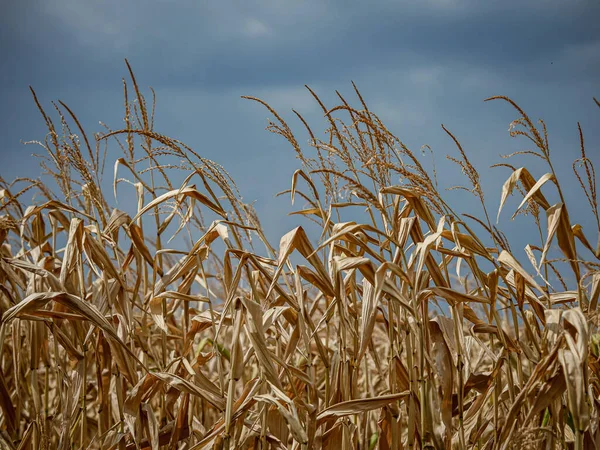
(405, 330)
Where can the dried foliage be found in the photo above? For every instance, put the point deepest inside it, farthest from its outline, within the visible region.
(405, 330)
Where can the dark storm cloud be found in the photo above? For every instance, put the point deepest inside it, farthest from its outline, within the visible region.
(219, 45)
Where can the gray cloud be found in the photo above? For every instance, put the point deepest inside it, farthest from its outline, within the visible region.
(221, 44)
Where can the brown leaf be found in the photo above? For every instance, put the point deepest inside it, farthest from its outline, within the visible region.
(357, 406)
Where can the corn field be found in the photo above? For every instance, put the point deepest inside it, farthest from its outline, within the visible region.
(415, 327)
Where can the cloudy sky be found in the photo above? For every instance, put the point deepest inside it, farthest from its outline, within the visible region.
(417, 63)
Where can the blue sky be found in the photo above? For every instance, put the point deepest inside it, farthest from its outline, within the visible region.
(418, 65)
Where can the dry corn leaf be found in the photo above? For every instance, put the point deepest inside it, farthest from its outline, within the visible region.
(351, 407)
(191, 192)
(186, 386)
(523, 175)
(534, 190)
(255, 333)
